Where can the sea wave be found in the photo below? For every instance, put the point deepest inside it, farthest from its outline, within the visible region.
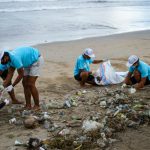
(144, 2)
(6, 1)
(42, 8)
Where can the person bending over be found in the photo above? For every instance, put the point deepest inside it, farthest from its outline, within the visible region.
(27, 61)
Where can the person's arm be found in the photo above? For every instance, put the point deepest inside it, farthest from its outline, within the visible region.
(1, 72)
(97, 61)
(127, 79)
(144, 75)
(19, 77)
(140, 84)
(7, 81)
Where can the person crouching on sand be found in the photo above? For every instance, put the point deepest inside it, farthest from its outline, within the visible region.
(139, 72)
(27, 61)
(82, 71)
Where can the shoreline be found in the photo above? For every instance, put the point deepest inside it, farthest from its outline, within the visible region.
(99, 36)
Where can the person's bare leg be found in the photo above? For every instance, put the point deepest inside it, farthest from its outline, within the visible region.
(13, 98)
(137, 76)
(27, 92)
(84, 77)
(34, 92)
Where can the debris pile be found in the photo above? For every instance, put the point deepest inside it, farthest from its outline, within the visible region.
(86, 119)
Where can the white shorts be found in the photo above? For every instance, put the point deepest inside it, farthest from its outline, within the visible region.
(34, 69)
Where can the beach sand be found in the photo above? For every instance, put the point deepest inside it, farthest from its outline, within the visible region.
(57, 79)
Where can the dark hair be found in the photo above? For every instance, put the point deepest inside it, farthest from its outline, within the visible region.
(5, 54)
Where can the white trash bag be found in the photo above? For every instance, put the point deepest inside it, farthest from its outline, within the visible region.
(106, 75)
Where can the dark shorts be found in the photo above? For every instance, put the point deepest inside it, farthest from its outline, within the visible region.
(78, 78)
(4, 74)
(133, 80)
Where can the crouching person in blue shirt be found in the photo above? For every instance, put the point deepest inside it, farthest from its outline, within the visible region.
(82, 71)
(27, 61)
(139, 72)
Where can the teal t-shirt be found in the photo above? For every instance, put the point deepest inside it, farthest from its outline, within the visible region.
(143, 68)
(23, 57)
(82, 63)
(3, 67)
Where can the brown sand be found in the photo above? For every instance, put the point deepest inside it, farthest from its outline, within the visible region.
(57, 77)
(60, 56)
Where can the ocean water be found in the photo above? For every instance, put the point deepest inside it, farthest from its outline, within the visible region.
(28, 22)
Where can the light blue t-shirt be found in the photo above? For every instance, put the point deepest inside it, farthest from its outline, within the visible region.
(23, 57)
(3, 67)
(82, 63)
(143, 68)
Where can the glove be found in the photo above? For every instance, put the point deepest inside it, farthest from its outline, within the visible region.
(9, 88)
(124, 85)
(6, 101)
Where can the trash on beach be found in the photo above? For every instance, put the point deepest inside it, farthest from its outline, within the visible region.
(12, 121)
(70, 102)
(18, 143)
(132, 90)
(26, 113)
(67, 104)
(64, 132)
(89, 125)
(75, 123)
(74, 117)
(84, 91)
(147, 113)
(103, 104)
(34, 143)
(46, 124)
(30, 122)
(19, 122)
(54, 105)
(123, 85)
(44, 106)
(46, 116)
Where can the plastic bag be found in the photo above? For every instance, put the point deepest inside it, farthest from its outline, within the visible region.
(106, 75)
(89, 125)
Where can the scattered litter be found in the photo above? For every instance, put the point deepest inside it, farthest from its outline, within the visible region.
(89, 125)
(17, 143)
(67, 103)
(103, 104)
(12, 121)
(30, 122)
(132, 90)
(64, 132)
(54, 105)
(68, 128)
